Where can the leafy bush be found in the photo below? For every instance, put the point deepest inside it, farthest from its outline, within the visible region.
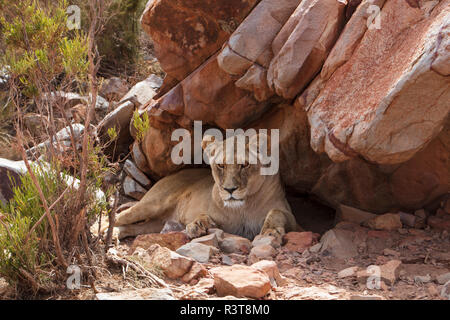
(38, 46)
(26, 254)
(118, 42)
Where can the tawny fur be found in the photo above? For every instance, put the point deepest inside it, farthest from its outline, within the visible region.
(199, 200)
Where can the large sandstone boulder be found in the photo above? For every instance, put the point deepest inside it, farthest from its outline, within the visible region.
(219, 104)
(380, 188)
(186, 32)
(391, 97)
(361, 110)
(303, 44)
(249, 50)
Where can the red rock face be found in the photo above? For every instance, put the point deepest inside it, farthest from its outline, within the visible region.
(367, 128)
(387, 102)
(186, 33)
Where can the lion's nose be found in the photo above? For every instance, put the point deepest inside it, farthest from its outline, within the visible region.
(230, 190)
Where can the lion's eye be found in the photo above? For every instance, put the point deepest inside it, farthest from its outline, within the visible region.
(221, 166)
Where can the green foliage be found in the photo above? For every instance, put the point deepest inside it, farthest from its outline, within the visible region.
(112, 134)
(141, 124)
(37, 44)
(118, 42)
(74, 57)
(23, 251)
(26, 251)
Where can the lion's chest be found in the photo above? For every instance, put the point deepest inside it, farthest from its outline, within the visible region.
(244, 224)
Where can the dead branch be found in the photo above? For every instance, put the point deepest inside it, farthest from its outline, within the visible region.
(55, 236)
(112, 221)
(112, 257)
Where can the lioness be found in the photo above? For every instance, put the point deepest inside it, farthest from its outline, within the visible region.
(236, 198)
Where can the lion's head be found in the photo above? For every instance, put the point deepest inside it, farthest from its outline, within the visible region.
(235, 167)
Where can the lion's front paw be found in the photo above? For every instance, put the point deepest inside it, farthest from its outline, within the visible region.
(277, 233)
(199, 227)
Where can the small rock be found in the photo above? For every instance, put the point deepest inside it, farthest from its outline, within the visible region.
(133, 171)
(226, 260)
(241, 281)
(388, 222)
(407, 219)
(172, 226)
(315, 248)
(445, 291)
(422, 279)
(197, 251)
(133, 189)
(197, 271)
(235, 244)
(432, 290)
(261, 252)
(350, 214)
(388, 272)
(271, 269)
(349, 272)
(140, 294)
(205, 285)
(421, 213)
(114, 88)
(265, 240)
(298, 241)
(209, 240)
(340, 243)
(238, 258)
(119, 119)
(173, 240)
(171, 263)
(218, 232)
(143, 91)
(439, 223)
(443, 278)
(71, 99)
(402, 231)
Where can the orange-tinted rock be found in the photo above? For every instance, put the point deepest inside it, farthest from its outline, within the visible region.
(387, 222)
(388, 101)
(197, 271)
(299, 241)
(271, 269)
(439, 223)
(186, 33)
(235, 244)
(241, 281)
(350, 37)
(171, 263)
(249, 50)
(172, 240)
(261, 252)
(308, 35)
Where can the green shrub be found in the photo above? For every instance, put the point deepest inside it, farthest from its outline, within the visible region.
(141, 124)
(38, 46)
(118, 42)
(26, 252)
